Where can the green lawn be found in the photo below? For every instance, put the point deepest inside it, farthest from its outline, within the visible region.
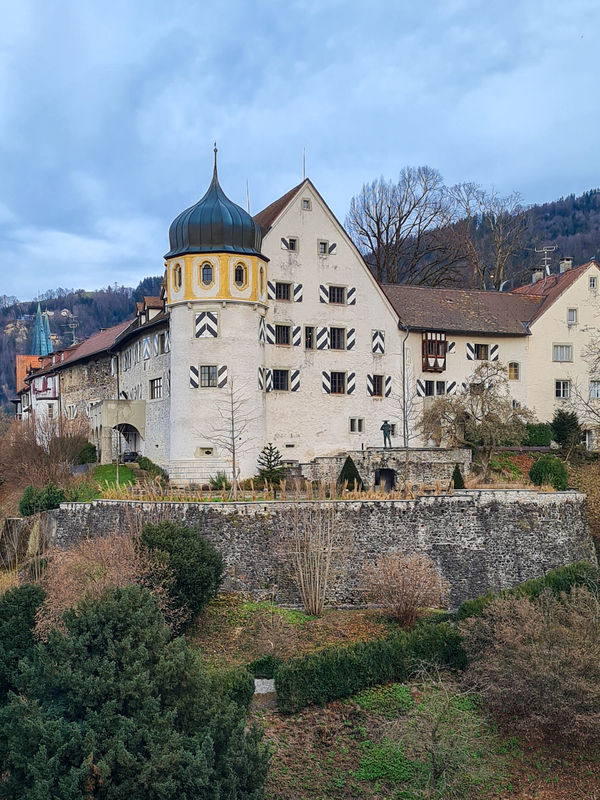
(107, 473)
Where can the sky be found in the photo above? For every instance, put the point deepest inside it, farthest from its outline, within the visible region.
(109, 110)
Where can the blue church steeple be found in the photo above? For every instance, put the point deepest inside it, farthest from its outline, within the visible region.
(42, 341)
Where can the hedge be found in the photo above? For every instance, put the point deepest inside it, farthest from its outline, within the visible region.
(342, 671)
(539, 434)
(557, 580)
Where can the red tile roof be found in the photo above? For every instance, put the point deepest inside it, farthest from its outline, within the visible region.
(550, 288)
(268, 215)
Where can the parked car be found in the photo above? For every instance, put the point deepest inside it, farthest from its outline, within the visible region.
(129, 456)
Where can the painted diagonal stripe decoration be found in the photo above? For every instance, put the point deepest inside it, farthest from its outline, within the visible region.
(351, 296)
(370, 385)
(261, 378)
(420, 388)
(350, 338)
(297, 293)
(295, 380)
(451, 388)
(494, 352)
(378, 342)
(270, 333)
(206, 324)
(322, 338)
(270, 290)
(451, 348)
(222, 376)
(351, 383)
(268, 380)
(388, 385)
(470, 351)
(323, 294)
(194, 377)
(297, 336)
(326, 382)
(262, 331)
(146, 348)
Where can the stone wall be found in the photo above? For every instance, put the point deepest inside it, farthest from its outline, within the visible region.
(420, 465)
(479, 540)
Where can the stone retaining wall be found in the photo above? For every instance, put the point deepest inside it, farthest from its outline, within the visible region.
(479, 540)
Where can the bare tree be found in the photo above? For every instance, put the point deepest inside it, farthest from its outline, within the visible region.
(482, 417)
(396, 226)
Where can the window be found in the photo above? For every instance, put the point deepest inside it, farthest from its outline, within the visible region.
(306, 204)
(429, 388)
(562, 389)
(293, 245)
(261, 280)
(338, 383)
(337, 294)
(240, 275)
(393, 428)
(177, 277)
(482, 352)
(309, 337)
(281, 380)
(323, 248)
(440, 387)
(156, 388)
(592, 282)
(50, 411)
(572, 316)
(562, 352)
(514, 371)
(436, 348)
(282, 291)
(594, 390)
(377, 385)
(337, 338)
(162, 341)
(207, 274)
(357, 425)
(208, 376)
(282, 334)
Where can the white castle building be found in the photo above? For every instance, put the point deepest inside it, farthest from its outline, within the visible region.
(273, 329)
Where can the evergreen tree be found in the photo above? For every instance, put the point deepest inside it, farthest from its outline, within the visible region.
(17, 618)
(457, 478)
(269, 464)
(566, 429)
(117, 708)
(350, 475)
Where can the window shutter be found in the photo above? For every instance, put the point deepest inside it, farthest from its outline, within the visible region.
(370, 385)
(451, 388)
(222, 376)
(470, 351)
(295, 380)
(378, 342)
(261, 379)
(322, 338)
(420, 388)
(451, 349)
(351, 296)
(270, 333)
(326, 382)
(297, 336)
(268, 380)
(350, 339)
(156, 344)
(262, 334)
(270, 290)
(206, 324)
(494, 352)
(350, 382)
(323, 294)
(388, 385)
(193, 377)
(297, 293)
(146, 348)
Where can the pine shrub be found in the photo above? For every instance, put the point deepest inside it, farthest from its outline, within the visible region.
(457, 478)
(566, 430)
(18, 608)
(549, 470)
(196, 565)
(35, 500)
(539, 434)
(350, 475)
(269, 465)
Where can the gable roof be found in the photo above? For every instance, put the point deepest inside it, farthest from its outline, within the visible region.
(268, 215)
(550, 288)
(462, 311)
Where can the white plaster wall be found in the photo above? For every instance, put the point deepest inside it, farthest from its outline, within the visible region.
(313, 422)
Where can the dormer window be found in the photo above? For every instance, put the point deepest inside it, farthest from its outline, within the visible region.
(207, 274)
(240, 275)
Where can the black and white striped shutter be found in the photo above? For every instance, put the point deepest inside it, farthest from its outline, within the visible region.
(261, 379)
(297, 293)
(378, 342)
(297, 335)
(332, 248)
(323, 294)
(222, 376)
(494, 352)
(388, 385)
(350, 338)
(326, 382)
(322, 338)
(451, 387)
(420, 388)
(206, 324)
(370, 385)
(470, 352)
(262, 333)
(270, 290)
(451, 348)
(268, 380)
(295, 380)
(465, 387)
(350, 383)
(351, 296)
(146, 348)
(156, 344)
(193, 377)
(270, 333)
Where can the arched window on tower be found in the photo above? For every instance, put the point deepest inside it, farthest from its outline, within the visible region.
(177, 277)
(240, 275)
(261, 280)
(207, 274)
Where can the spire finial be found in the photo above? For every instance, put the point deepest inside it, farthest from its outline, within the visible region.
(216, 149)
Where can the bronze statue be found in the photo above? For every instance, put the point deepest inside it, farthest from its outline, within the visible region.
(387, 434)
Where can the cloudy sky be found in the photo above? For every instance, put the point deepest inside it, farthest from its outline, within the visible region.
(108, 111)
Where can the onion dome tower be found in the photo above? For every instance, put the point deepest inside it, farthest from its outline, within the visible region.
(216, 293)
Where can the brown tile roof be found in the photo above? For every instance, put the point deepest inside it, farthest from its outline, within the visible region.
(98, 343)
(550, 288)
(268, 215)
(153, 302)
(462, 311)
(136, 325)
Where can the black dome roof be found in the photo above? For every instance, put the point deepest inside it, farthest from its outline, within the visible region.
(214, 225)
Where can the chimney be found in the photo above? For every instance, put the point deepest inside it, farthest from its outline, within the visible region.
(565, 264)
(537, 274)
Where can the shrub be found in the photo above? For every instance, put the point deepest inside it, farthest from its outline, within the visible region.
(265, 666)
(457, 478)
(538, 662)
(220, 481)
(549, 469)
(237, 684)
(88, 454)
(350, 475)
(35, 500)
(539, 434)
(153, 469)
(18, 608)
(405, 586)
(566, 429)
(116, 707)
(196, 566)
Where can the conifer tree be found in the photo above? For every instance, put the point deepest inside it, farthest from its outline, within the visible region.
(350, 475)
(269, 464)
(457, 478)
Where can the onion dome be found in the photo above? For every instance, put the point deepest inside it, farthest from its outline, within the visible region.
(214, 225)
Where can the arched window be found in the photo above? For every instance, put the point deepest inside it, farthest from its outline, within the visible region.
(261, 280)
(240, 275)
(514, 371)
(207, 274)
(177, 277)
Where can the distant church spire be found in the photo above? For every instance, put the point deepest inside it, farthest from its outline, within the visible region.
(42, 341)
